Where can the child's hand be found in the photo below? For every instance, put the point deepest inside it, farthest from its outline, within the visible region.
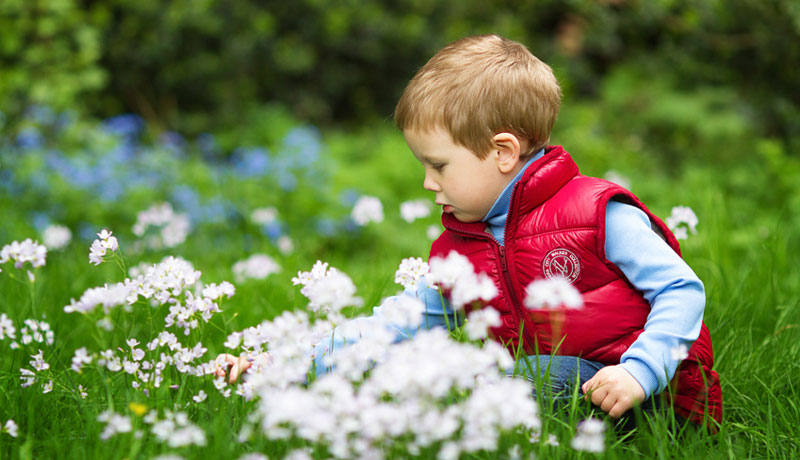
(614, 390)
(237, 365)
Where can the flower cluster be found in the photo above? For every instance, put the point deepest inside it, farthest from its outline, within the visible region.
(115, 423)
(258, 266)
(26, 251)
(455, 272)
(290, 337)
(415, 209)
(367, 209)
(28, 376)
(328, 290)
(149, 372)
(99, 247)
(682, 220)
(175, 429)
(410, 271)
(36, 331)
(590, 436)
(172, 228)
(405, 400)
(552, 293)
(480, 321)
(161, 283)
(56, 236)
(7, 328)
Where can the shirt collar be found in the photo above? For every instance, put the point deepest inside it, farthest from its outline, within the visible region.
(500, 207)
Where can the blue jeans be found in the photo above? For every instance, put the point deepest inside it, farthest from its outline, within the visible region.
(559, 374)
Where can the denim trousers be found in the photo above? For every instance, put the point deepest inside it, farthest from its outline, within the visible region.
(560, 376)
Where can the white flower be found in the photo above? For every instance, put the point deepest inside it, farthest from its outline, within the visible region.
(403, 311)
(257, 266)
(479, 322)
(11, 428)
(285, 245)
(471, 288)
(680, 352)
(200, 397)
(214, 292)
(328, 290)
(7, 328)
(82, 392)
(254, 456)
(81, 357)
(38, 362)
(331, 293)
(56, 236)
(115, 423)
(100, 246)
(172, 228)
(552, 293)
(47, 387)
(433, 231)
(262, 216)
(26, 251)
(590, 436)
(410, 271)
(415, 209)
(367, 209)
(456, 272)
(446, 270)
(681, 221)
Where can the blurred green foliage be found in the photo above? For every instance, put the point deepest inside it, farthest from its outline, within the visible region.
(191, 65)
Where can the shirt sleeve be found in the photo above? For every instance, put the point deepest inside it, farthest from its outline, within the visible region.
(675, 293)
(436, 312)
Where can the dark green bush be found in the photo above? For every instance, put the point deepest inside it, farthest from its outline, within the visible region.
(194, 65)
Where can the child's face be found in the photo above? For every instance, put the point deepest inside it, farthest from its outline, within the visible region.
(465, 185)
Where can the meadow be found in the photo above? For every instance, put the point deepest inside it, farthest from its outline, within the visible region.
(210, 231)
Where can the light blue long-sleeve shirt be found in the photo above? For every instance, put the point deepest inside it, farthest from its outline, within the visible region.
(676, 295)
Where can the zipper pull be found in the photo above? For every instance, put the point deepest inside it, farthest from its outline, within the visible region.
(503, 258)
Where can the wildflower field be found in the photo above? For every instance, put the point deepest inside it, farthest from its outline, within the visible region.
(132, 258)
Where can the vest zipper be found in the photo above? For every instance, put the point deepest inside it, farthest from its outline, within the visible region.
(526, 333)
(509, 285)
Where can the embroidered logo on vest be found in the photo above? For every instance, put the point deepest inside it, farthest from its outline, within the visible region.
(561, 263)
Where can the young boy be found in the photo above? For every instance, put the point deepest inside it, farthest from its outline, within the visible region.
(478, 116)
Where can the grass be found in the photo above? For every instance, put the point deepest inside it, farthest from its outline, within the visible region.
(745, 252)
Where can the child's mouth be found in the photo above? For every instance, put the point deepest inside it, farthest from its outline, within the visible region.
(447, 208)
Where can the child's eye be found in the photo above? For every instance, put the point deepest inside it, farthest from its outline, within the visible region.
(438, 167)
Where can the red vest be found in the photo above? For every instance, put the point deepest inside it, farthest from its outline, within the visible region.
(556, 226)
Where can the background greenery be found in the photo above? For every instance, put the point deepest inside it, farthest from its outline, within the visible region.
(696, 102)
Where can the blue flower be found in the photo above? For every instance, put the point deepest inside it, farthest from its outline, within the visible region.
(207, 144)
(348, 197)
(303, 145)
(128, 124)
(326, 226)
(273, 230)
(172, 141)
(40, 220)
(41, 114)
(250, 162)
(29, 138)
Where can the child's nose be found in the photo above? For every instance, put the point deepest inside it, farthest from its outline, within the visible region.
(430, 184)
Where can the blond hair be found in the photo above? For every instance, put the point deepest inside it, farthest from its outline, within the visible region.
(479, 86)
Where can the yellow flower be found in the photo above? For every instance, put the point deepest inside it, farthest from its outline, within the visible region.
(137, 408)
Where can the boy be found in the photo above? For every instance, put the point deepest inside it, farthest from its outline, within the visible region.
(478, 116)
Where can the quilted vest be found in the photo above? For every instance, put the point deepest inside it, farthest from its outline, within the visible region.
(556, 227)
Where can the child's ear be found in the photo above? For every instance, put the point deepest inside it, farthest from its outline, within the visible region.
(506, 152)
